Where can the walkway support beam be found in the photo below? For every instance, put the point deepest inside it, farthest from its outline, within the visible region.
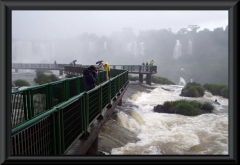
(93, 150)
(149, 79)
(141, 77)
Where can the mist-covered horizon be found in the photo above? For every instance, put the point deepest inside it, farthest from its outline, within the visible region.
(55, 24)
(194, 40)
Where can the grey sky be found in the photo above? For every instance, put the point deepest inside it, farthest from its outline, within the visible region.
(47, 24)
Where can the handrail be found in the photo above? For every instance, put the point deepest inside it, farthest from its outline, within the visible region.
(57, 129)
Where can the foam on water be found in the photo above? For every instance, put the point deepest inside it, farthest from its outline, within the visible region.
(162, 133)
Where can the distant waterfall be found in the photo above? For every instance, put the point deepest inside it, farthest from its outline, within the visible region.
(33, 51)
(105, 45)
(135, 48)
(190, 47)
(182, 81)
(142, 48)
(177, 50)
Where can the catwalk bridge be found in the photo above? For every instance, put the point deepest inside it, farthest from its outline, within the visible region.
(61, 118)
(77, 70)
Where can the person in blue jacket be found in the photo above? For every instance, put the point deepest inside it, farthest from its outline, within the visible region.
(90, 77)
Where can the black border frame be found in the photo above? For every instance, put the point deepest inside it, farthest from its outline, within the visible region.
(6, 6)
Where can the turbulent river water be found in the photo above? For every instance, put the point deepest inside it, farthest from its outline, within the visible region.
(135, 129)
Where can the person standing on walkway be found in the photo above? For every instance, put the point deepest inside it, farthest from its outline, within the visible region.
(106, 67)
(90, 77)
(147, 66)
(143, 66)
(151, 65)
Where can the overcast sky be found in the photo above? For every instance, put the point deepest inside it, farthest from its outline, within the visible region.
(47, 24)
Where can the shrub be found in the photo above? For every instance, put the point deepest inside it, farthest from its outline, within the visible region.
(161, 80)
(133, 78)
(43, 78)
(190, 84)
(21, 83)
(196, 104)
(53, 77)
(167, 104)
(216, 89)
(224, 92)
(187, 109)
(207, 106)
(192, 92)
(200, 90)
(193, 89)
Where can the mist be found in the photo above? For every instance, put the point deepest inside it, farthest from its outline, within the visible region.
(173, 39)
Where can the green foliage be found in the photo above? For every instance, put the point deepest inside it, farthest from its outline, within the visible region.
(188, 108)
(43, 78)
(161, 80)
(53, 77)
(217, 89)
(207, 106)
(155, 79)
(224, 92)
(20, 83)
(196, 104)
(200, 90)
(167, 104)
(192, 92)
(190, 84)
(133, 78)
(194, 89)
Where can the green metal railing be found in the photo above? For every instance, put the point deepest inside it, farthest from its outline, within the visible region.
(67, 115)
(130, 68)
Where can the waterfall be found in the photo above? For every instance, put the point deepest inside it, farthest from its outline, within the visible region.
(135, 48)
(22, 50)
(182, 81)
(190, 47)
(33, 51)
(105, 45)
(177, 50)
(142, 48)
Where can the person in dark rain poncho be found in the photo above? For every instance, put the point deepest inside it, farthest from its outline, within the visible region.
(90, 77)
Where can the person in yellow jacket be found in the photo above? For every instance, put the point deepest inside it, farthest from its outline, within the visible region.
(106, 67)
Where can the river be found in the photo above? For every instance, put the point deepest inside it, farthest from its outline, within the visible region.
(135, 129)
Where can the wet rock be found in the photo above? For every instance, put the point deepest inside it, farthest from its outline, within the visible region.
(162, 109)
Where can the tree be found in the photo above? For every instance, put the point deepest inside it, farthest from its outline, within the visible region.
(21, 82)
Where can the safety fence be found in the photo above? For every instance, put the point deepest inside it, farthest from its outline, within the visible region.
(48, 119)
(131, 68)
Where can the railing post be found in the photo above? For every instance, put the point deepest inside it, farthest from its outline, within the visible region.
(100, 98)
(58, 132)
(109, 91)
(86, 95)
(54, 134)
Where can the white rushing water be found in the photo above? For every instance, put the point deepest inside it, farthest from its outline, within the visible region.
(173, 134)
(160, 133)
